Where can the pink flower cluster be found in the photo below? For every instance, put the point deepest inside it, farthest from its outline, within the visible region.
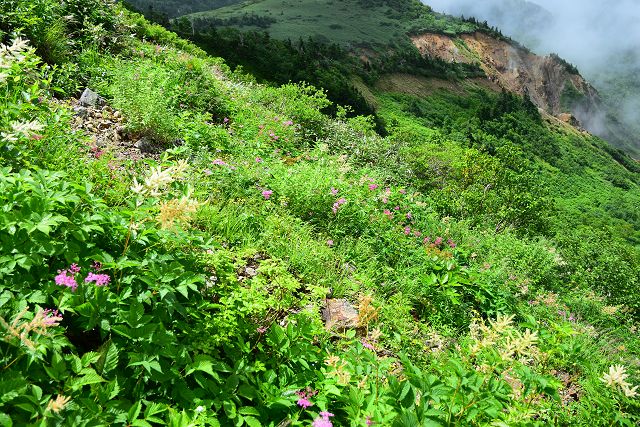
(67, 277)
(51, 317)
(99, 279)
(267, 194)
(304, 396)
(323, 420)
(341, 201)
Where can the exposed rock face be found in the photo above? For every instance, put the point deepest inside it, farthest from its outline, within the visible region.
(546, 79)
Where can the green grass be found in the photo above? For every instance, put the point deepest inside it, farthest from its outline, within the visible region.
(184, 335)
(344, 22)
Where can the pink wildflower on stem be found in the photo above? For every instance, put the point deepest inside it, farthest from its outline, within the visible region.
(451, 243)
(258, 160)
(74, 268)
(368, 421)
(388, 213)
(65, 279)
(438, 241)
(51, 317)
(334, 191)
(329, 242)
(366, 344)
(304, 403)
(323, 420)
(409, 216)
(407, 230)
(373, 187)
(97, 265)
(426, 240)
(219, 162)
(267, 194)
(338, 204)
(99, 279)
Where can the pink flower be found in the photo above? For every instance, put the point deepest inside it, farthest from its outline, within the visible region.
(388, 213)
(368, 345)
(208, 172)
(73, 268)
(287, 123)
(385, 200)
(262, 329)
(219, 162)
(417, 233)
(368, 421)
(99, 279)
(438, 241)
(426, 240)
(267, 194)
(323, 420)
(407, 230)
(337, 204)
(329, 243)
(451, 243)
(409, 216)
(97, 265)
(258, 160)
(51, 317)
(304, 403)
(402, 191)
(397, 208)
(64, 279)
(373, 187)
(226, 120)
(334, 191)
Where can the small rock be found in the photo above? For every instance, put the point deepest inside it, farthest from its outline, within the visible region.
(339, 314)
(80, 111)
(90, 98)
(250, 271)
(145, 145)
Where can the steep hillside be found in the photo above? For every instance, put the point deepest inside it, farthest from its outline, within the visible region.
(550, 83)
(374, 28)
(606, 55)
(181, 245)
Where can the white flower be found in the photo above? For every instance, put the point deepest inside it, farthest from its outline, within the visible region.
(616, 376)
(200, 409)
(19, 45)
(8, 137)
(27, 128)
(138, 188)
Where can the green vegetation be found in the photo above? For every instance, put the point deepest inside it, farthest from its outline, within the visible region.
(493, 257)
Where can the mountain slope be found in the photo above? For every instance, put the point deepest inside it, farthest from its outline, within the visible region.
(181, 245)
(606, 54)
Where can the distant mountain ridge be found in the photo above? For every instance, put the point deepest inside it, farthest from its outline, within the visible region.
(374, 28)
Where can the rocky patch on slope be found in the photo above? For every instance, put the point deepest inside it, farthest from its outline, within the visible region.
(552, 84)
